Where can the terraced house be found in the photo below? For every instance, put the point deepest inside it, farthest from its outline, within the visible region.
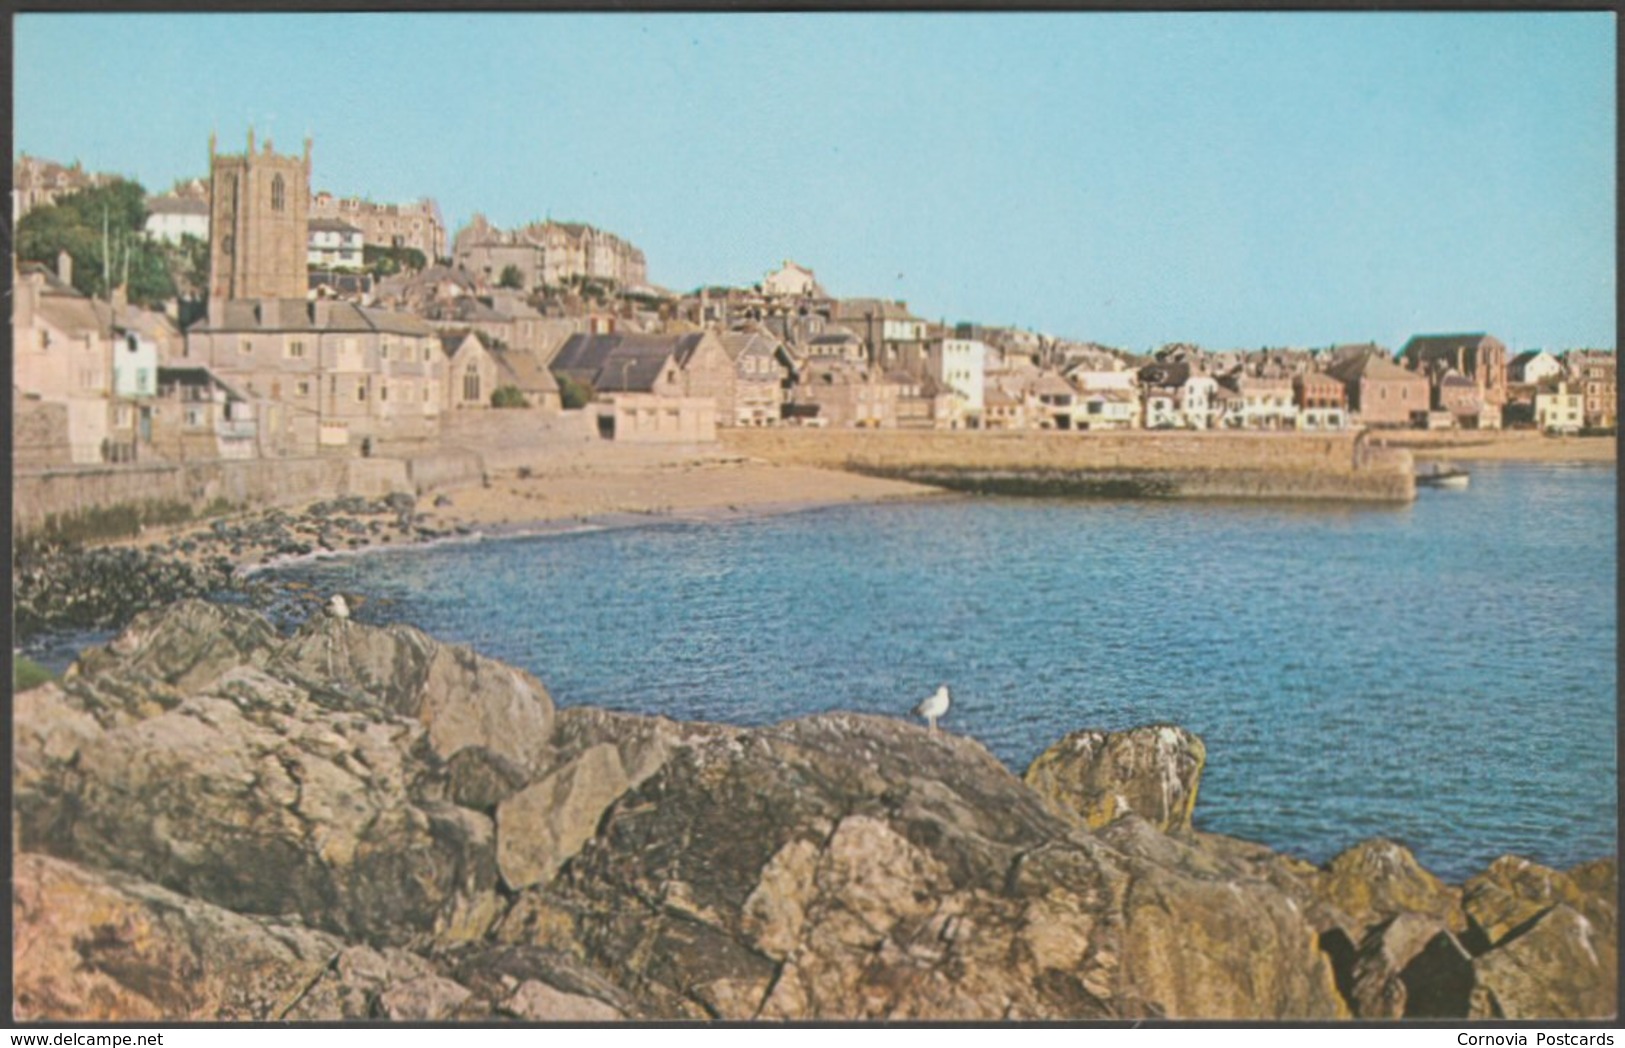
(328, 374)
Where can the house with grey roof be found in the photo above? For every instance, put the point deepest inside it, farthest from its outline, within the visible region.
(335, 244)
(686, 365)
(760, 374)
(325, 374)
(170, 218)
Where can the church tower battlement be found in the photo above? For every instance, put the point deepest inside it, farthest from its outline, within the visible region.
(258, 222)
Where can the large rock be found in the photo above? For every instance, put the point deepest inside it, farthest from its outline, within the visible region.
(543, 826)
(95, 946)
(1377, 880)
(187, 646)
(237, 787)
(463, 698)
(1097, 776)
(1411, 967)
(1557, 967)
(1514, 892)
(849, 867)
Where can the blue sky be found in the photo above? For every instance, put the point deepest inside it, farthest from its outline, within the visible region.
(1234, 179)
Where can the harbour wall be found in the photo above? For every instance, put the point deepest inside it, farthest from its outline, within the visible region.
(1132, 464)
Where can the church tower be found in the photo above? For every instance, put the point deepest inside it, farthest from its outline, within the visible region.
(258, 221)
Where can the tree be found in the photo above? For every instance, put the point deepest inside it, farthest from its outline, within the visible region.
(103, 230)
(512, 278)
(383, 261)
(507, 397)
(573, 394)
(188, 263)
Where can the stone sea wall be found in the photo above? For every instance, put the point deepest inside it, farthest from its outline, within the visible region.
(1134, 464)
(215, 820)
(259, 483)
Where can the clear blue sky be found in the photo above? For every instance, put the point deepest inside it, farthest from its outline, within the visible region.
(1231, 179)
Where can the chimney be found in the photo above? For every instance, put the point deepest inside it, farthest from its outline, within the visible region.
(64, 267)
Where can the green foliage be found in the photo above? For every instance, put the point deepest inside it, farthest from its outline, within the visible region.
(101, 229)
(26, 673)
(507, 397)
(383, 261)
(573, 394)
(188, 264)
(512, 278)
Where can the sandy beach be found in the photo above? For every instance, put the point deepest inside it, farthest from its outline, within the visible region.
(607, 481)
(1505, 446)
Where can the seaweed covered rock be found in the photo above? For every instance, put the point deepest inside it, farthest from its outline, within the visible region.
(1097, 776)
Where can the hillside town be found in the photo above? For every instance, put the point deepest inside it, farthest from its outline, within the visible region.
(323, 324)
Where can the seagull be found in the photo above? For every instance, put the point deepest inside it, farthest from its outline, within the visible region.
(338, 607)
(934, 706)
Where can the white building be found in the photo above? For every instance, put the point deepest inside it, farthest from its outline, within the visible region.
(170, 218)
(792, 281)
(335, 244)
(1559, 410)
(135, 365)
(1197, 401)
(961, 365)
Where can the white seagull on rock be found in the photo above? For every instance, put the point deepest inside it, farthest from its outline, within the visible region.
(934, 706)
(338, 607)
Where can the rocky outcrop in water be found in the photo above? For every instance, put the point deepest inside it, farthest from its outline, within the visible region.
(219, 821)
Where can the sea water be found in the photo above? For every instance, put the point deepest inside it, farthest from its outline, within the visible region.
(1441, 673)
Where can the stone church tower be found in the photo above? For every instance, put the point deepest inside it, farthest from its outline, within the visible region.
(258, 220)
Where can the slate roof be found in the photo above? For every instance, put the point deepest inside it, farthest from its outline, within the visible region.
(168, 205)
(525, 371)
(622, 363)
(331, 225)
(296, 314)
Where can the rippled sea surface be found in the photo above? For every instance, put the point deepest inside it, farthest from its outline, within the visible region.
(1443, 673)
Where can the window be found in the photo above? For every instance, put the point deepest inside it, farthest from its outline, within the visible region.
(194, 416)
(425, 354)
(383, 392)
(296, 350)
(279, 194)
(471, 383)
(361, 391)
(225, 244)
(245, 347)
(383, 350)
(304, 389)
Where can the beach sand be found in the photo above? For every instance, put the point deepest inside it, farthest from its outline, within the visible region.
(611, 482)
(1504, 446)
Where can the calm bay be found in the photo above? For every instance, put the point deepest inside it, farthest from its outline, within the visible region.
(1442, 673)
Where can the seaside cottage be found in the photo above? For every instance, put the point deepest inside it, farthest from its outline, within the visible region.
(1559, 409)
(334, 373)
(523, 370)
(196, 416)
(1381, 394)
(759, 376)
(62, 354)
(685, 365)
(1322, 401)
(1594, 373)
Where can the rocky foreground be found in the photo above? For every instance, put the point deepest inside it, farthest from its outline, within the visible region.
(215, 821)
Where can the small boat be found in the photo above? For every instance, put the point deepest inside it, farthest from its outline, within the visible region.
(1440, 475)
